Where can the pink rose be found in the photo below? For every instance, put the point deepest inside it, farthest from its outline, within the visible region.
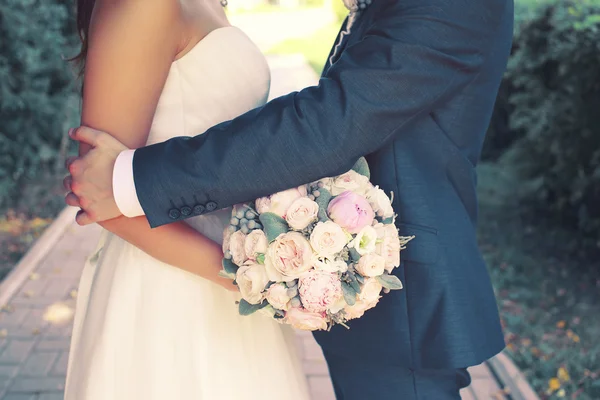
(300, 318)
(227, 238)
(288, 257)
(388, 245)
(351, 211)
(319, 290)
(251, 280)
(237, 242)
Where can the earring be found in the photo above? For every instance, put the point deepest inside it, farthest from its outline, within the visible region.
(224, 3)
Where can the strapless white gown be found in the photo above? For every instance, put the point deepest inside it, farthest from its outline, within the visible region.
(144, 330)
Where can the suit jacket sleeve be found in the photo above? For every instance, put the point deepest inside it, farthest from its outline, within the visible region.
(414, 57)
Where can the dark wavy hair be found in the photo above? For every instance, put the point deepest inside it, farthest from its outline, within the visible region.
(84, 17)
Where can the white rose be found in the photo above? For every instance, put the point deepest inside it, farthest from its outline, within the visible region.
(281, 202)
(371, 264)
(301, 213)
(380, 203)
(263, 204)
(388, 245)
(330, 265)
(237, 242)
(327, 239)
(256, 243)
(277, 296)
(365, 241)
(350, 181)
(251, 280)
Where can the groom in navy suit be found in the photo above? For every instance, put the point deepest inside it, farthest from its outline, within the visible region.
(412, 88)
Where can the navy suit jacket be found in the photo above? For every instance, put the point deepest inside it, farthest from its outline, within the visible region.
(413, 91)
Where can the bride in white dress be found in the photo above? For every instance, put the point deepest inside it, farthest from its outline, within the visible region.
(150, 324)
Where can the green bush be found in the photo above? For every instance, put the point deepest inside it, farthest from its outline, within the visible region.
(340, 10)
(37, 89)
(555, 71)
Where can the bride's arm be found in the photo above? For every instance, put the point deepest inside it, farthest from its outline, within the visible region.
(132, 44)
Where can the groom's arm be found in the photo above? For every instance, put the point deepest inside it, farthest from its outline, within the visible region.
(417, 55)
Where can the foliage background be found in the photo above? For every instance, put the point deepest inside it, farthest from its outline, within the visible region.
(539, 176)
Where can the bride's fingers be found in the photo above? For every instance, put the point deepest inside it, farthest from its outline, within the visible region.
(72, 200)
(67, 182)
(69, 161)
(83, 218)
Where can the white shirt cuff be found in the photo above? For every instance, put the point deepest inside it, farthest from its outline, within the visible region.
(124, 186)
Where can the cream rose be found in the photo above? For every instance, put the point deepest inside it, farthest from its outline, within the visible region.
(365, 241)
(251, 280)
(305, 320)
(388, 245)
(328, 239)
(255, 243)
(350, 181)
(370, 265)
(288, 257)
(227, 238)
(366, 299)
(301, 213)
(277, 296)
(380, 203)
(325, 264)
(370, 292)
(237, 243)
(263, 204)
(319, 290)
(281, 201)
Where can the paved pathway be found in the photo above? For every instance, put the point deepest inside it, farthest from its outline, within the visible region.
(37, 300)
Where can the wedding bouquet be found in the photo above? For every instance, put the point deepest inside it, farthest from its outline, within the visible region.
(316, 255)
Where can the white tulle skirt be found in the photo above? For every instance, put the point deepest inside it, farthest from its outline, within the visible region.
(147, 331)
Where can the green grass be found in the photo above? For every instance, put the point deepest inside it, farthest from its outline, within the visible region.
(315, 48)
(549, 301)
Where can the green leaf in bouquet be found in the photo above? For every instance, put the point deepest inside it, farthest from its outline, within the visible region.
(229, 266)
(389, 282)
(354, 254)
(349, 293)
(226, 275)
(323, 201)
(362, 167)
(350, 278)
(246, 308)
(388, 221)
(260, 258)
(360, 278)
(273, 225)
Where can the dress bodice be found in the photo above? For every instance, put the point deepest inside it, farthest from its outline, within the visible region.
(222, 77)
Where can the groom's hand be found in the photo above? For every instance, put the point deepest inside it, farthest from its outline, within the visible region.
(90, 180)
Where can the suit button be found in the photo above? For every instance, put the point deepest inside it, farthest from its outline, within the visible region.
(186, 211)
(174, 213)
(211, 206)
(199, 209)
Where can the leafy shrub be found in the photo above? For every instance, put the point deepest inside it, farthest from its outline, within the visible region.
(37, 89)
(556, 74)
